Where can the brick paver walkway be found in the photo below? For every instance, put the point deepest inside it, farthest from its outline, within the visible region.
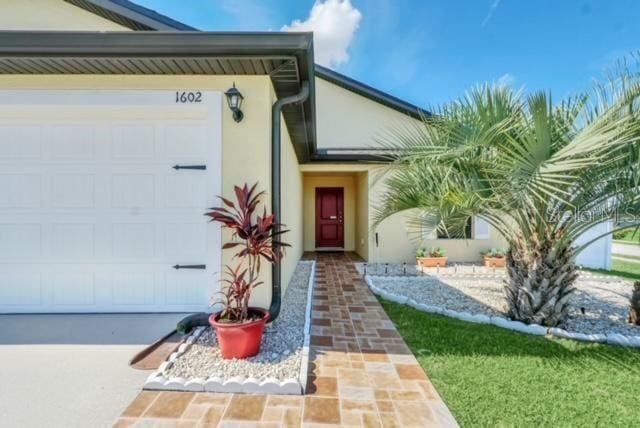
(362, 373)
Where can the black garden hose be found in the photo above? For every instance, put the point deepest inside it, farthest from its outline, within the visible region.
(188, 323)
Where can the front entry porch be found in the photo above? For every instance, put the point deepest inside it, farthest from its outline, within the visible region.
(336, 212)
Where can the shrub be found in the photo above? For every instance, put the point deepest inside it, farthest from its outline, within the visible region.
(494, 253)
(620, 234)
(437, 252)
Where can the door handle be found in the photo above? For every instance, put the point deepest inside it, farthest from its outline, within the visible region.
(333, 217)
(178, 267)
(178, 167)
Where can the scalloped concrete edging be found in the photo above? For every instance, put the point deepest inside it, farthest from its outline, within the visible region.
(157, 380)
(306, 345)
(535, 329)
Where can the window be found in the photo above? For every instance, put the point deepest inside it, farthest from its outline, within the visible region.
(467, 232)
(476, 228)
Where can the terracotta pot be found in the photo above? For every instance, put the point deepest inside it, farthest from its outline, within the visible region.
(492, 262)
(239, 340)
(432, 261)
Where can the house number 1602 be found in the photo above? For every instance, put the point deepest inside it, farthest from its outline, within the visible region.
(183, 97)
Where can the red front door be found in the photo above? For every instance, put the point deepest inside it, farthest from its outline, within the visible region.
(329, 217)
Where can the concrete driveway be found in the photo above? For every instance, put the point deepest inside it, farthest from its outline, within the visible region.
(72, 370)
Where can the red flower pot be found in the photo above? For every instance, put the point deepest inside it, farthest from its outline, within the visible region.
(239, 340)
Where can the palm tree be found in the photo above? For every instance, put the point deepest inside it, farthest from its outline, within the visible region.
(540, 174)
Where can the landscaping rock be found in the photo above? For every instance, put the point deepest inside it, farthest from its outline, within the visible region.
(474, 293)
(280, 355)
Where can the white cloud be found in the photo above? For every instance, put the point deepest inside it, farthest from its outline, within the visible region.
(334, 24)
(506, 80)
(492, 10)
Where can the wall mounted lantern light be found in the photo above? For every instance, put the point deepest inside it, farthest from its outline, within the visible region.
(234, 99)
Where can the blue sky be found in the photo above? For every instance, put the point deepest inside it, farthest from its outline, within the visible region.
(430, 51)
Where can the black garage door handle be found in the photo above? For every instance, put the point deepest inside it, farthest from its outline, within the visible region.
(178, 267)
(177, 167)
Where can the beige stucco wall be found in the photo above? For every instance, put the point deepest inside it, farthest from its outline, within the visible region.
(349, 120)
(51, 15)
(245, 146)
(291, 200)
(398, 243)
(362, 213)
(313, 181)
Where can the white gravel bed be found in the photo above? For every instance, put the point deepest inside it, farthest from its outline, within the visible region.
(605, 300)
(280, 354)
(412, 269)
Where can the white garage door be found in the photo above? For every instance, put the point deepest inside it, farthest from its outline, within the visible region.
(93, 216)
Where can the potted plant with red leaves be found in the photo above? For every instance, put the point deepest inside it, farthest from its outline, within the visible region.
(239, 327)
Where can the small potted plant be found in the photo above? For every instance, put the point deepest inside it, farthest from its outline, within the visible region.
(495, 257)
(239, 327)
(433, 257)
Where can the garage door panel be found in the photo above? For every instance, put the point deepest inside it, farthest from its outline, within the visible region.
(20, 191)
(185, 141)
(133, 289)
(73, 191)
(75, 141)
(74, 288)
(185, 288)
(134, 240)
(92, 215)
(134, 142)
(187, 240)
(20, 142)
(133, 190)
(20, 240)
(106, 287)
(73, 240)
(185, 189)
(21, 288)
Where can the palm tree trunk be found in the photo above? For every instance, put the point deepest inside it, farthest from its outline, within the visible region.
(541, 271)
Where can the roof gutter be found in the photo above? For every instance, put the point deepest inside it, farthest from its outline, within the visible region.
(29, 44)
(276, 208)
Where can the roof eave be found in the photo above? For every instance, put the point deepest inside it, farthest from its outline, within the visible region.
(364, 155)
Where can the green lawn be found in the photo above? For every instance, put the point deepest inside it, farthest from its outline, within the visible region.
(491, 377)
(622, 268)
(629, 235)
